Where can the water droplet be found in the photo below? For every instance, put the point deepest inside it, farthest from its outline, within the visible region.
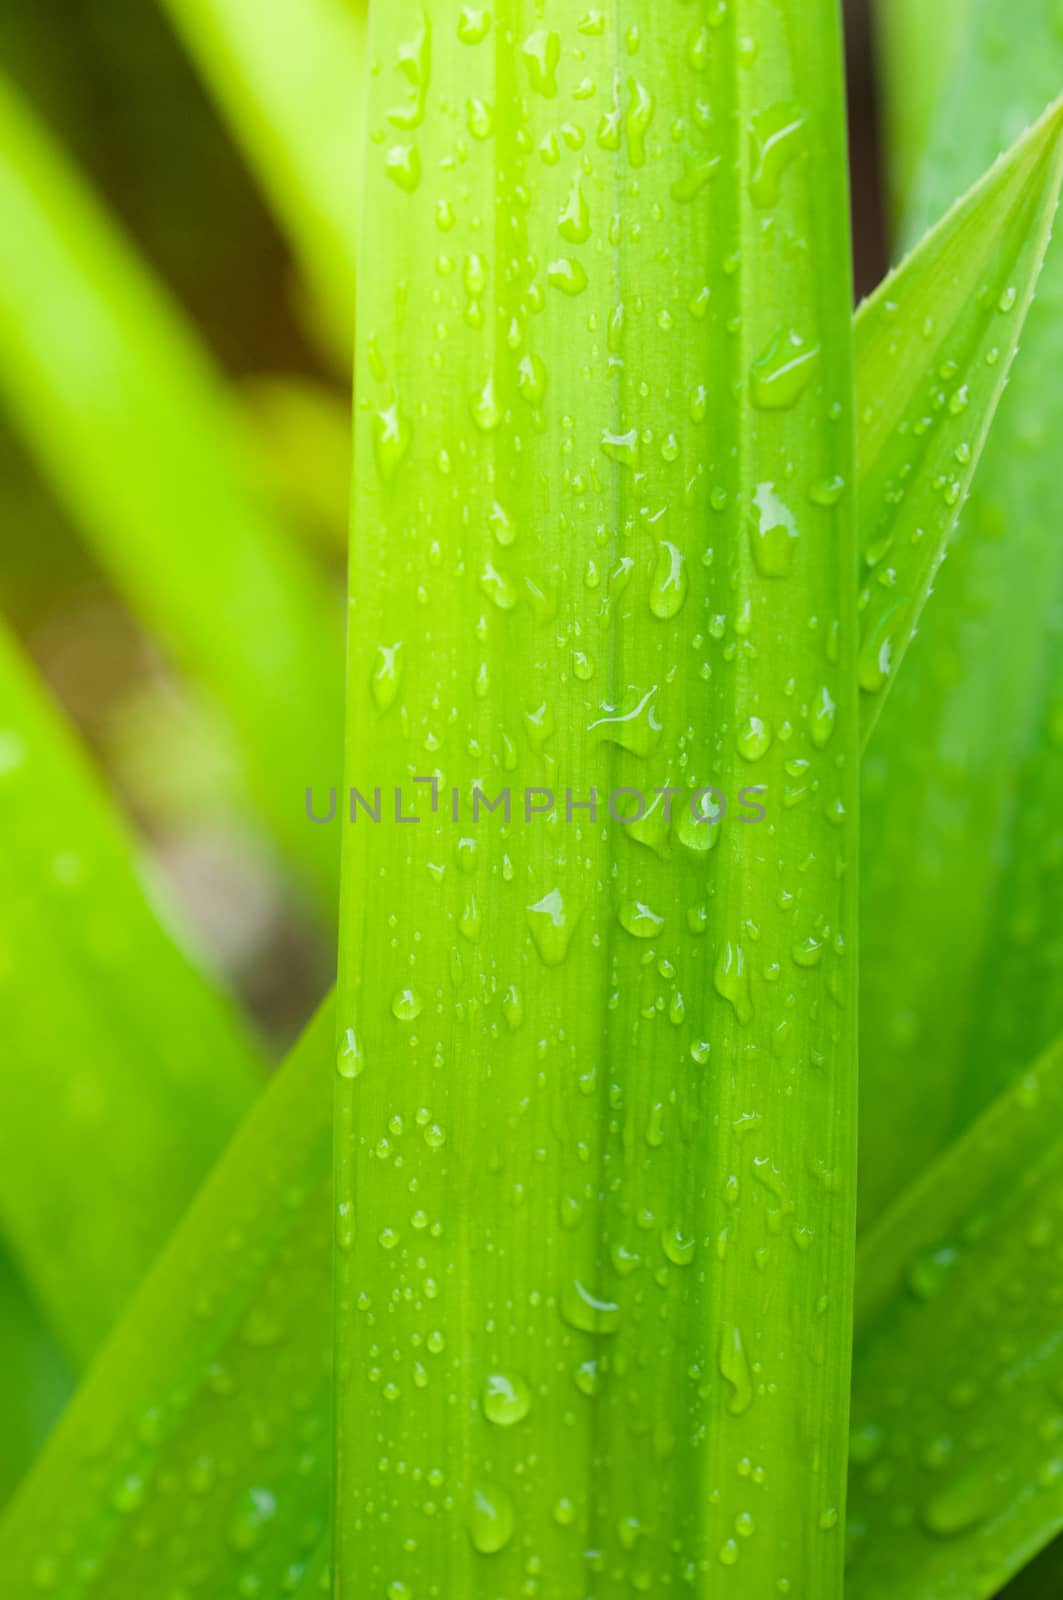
(731, 980)
(574, 223)
(773, 533)
(695, 176)
(479, 118)
(567, 275)
(678, 1246)
(876, 659)
(486, 412)
(129, 1494)
(387, 675)
(783, 372)
(775, 135)
(406, 1005)
(498, 587)
(552, 926)
(350, 1062)
(588, 1312)
(754, 738)
(637, 123)
(622, 448)
(961, 1507)
(391, 440)
(821, 717)
(506, 1400)
(474, 24)
(927, 1274)
(633, 725)
(490, 1519)
(532, 379)
(734, 1369)
(668, 591)
(403, 166)
(542, 53)
(639, 920)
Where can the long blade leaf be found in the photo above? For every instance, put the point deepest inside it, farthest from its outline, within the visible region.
(593, 551)
(289, 77)
(958, 1375)
(196, 1455)
(962, 788)
(122, 1072)
(135, 430)
(935, 345)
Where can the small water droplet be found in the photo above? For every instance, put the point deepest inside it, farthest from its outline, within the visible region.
(552, 926)
(734, 1369)
(350, 1061)
(775, 135)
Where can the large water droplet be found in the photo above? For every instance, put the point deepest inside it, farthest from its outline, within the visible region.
(783, 372)
(588, 1312)
(542, 53)
(668, 591)
(639, 920)
(775, 135)
(773, 533)
(490, 1519)
(506, 1399)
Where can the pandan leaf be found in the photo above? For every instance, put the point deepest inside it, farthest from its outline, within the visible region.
(918, 45)
(246, 1178)
(132, 425)
(289, 77)
(957, 1475)
(934, 347)
(123, 1071)
(596, 1092)
(196, 1455)
(961, 935)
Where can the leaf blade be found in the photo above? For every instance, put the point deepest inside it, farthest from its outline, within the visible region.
(97, 1156)
(957, 1337)
(289, 80)
(135, 431)
(576, 911)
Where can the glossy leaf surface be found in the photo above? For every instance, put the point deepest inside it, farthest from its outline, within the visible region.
(596, 1084)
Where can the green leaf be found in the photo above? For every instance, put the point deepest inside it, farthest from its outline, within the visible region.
(918, 45)
(960, 932)
(289, 77)
(958, 1376)
(934, 348)
(597, 1092)
(124, 1071)
(196, 1455)
(245, 1179)
(131, 424)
